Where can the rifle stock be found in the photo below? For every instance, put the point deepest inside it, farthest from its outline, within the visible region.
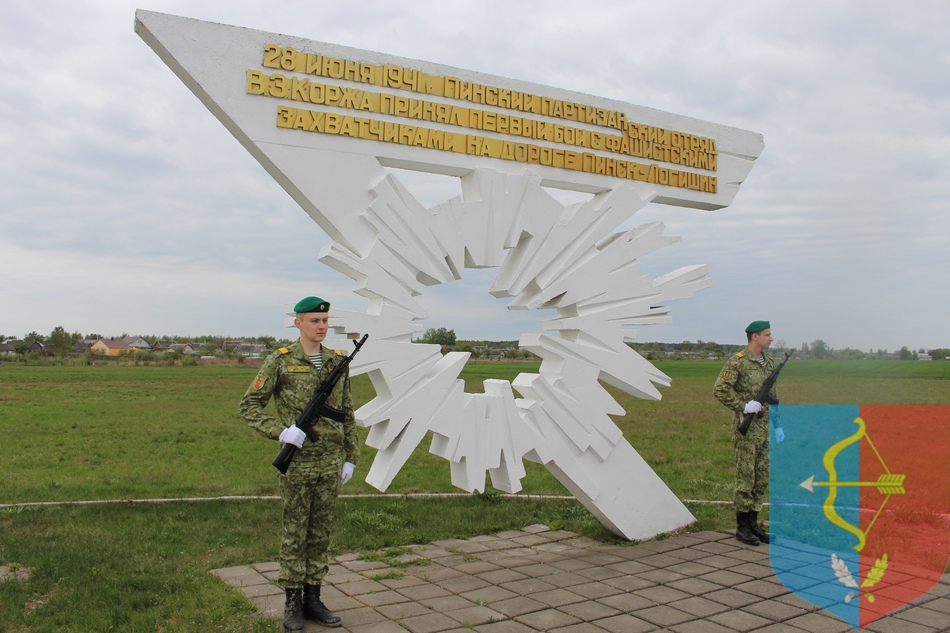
(763, 396)
(315, 408)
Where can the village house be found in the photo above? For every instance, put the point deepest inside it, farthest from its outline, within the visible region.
(9, 348)
(162, 345)
(247, 350)
(486, 351)
(252, 350)
(185, 349)
(84, 345)
(118, 346)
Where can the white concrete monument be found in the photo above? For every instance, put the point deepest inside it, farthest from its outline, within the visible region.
(325, 121)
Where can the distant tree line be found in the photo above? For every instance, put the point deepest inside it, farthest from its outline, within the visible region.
(816, 350)
(59, 342)
(476, 349)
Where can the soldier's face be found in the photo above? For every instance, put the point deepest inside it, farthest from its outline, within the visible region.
(313, 326)
(763, 338)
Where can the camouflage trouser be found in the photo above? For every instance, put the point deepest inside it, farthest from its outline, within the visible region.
(752, 466)
(309, 499)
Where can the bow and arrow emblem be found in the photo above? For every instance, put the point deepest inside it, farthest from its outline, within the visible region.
(887, 484)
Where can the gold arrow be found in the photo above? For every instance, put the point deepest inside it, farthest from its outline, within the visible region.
(886, 484)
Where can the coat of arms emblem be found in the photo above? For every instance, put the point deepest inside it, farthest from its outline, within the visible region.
(860, 497)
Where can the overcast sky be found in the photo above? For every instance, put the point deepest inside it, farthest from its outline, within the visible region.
(126, 207)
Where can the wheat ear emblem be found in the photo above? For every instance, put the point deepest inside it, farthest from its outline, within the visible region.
(875, 574)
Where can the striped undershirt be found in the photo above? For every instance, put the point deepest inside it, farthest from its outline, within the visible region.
(317, 360)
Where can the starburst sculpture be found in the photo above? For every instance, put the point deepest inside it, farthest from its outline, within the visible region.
(549, 257)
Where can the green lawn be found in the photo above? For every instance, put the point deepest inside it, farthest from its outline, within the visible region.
(139, 432)
(106, 432)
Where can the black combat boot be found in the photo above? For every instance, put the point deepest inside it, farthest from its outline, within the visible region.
(760, 534)
(743, 531)
(293, 610)
(314, 609)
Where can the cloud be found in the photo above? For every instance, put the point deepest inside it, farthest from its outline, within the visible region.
(124, 198)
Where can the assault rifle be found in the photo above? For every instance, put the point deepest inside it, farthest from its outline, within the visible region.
(763, 396)
(317, 407)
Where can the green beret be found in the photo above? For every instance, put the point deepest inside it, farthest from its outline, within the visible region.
(312, 304)
(757, 326)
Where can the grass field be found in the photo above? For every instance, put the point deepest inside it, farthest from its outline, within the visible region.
(139, 432)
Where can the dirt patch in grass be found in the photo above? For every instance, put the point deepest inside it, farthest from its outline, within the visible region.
(14, 572)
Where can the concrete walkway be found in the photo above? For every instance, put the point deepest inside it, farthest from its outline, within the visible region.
(538, 579)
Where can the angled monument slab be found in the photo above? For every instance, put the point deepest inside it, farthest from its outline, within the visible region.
(326, 121)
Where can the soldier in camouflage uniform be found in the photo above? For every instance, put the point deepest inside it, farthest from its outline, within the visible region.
(738, 383)
(309, 489)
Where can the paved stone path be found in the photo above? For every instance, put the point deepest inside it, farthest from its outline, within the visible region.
(537, 579)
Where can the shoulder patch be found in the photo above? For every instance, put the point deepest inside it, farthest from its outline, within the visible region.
(740, 354)
(260, 381)
(338, 352)
(283, 350)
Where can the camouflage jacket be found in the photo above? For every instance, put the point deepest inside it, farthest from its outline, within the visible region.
(290, 378)
(740, 381)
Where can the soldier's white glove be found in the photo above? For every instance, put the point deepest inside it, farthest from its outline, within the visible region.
(348, 469)
(752, 406)
(779, 435)
(293, 435)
